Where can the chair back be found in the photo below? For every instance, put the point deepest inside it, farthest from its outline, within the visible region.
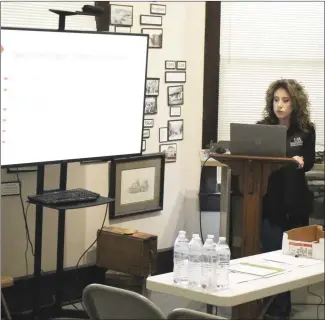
(104, 303)
(182, 313)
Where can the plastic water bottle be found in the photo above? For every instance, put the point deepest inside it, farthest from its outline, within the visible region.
(194, 262)
(209, 259)
(222, 265)
(181, 259)
(195, 235)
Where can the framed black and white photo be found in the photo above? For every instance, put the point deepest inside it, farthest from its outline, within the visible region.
(175, 95)
(120, 29)
(170, 64)
(150, 105)
(175, 76)
(146, 134)
(155, 37)
(170, 150)
(137, 185)
(175, 111)
(181, 65)
(150, 20)
(157, 9)
(121, 15)
(144, 145)
(175, 130)
(148, 123)
(152, 86)
(163, 134)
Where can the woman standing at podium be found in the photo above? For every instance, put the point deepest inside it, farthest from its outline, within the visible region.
(288, 201)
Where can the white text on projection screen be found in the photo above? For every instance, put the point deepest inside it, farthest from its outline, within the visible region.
(70, 95)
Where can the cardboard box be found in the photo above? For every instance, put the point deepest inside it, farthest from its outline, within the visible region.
(306, 242)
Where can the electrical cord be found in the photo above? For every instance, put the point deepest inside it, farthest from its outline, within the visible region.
(85, 252)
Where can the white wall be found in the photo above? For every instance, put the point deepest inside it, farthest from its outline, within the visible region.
(182, 40)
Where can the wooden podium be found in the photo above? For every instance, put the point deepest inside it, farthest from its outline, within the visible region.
(253, 172)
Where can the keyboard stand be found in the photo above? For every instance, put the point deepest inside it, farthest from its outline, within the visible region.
(57, 310)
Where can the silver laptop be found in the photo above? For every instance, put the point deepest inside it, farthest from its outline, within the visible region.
(258, 140)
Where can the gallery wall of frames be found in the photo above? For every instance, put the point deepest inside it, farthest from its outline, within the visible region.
(164, 90)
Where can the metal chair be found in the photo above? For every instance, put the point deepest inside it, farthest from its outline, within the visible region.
(182, 313)
(105, 302)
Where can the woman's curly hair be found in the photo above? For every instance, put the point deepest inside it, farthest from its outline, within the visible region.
(300, 116)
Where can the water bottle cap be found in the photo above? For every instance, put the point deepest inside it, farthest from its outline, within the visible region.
(223, 239)
(182, 232)
(210, 236)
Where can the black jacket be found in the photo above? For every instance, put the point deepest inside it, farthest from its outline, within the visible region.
(287, 193)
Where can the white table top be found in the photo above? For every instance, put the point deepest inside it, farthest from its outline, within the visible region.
(246, 291)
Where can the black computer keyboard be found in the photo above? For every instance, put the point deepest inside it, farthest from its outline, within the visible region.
(64, 197)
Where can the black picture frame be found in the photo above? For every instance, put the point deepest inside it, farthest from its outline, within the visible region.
(161, 6)
(146, 136)
(170, 93)
(124, 192)
(177, 80)
(179, 65)
(152, 93)
(150, 105)
(115, 23)
(173, 115)
(170, 64)
(175, 134)
(145, 126)
(152, 39)
(143, 23)
(170, 151)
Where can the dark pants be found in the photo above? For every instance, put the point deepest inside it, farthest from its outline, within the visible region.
(271, 238)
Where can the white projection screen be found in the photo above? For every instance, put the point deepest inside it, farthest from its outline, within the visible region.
(71, 96)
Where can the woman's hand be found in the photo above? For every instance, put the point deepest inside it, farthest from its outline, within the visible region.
(300, 161)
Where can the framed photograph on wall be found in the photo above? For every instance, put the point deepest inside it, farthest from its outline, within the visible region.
(170, 151)
(150, 20)
(152, 86)
(175, 130)
(170, 64)
(175, 95)
(181, 65)
(121, 15)
(150, 105)
(120, 29)
(175, 76)
(148, 123)
(175, 111)
(163, 134)
(137, 185)
(157, 9)
(155, 37)
(146, 134)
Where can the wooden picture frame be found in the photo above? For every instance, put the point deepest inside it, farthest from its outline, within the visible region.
(152, 86)
(146, 134)
(150, 105)
(148, 123)
(181, 65)
(137, 185)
